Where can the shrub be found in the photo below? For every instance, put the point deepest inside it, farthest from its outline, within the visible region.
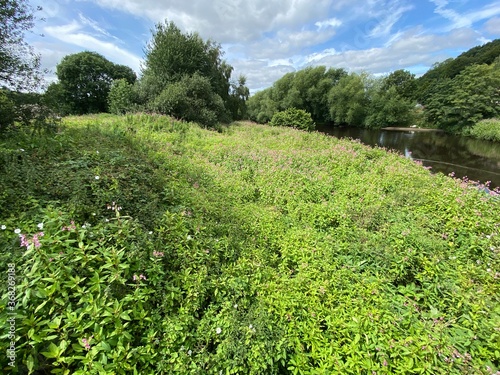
(486, 129)
(295, 118)
(7, 112)
(120, 97)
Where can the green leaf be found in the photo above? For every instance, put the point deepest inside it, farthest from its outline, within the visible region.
(53, 351)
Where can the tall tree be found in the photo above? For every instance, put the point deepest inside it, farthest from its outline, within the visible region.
(85, 79)
(173, 56)
(348, 101)
(19, 64)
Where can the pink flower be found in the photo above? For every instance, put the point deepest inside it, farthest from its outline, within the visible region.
(142, 277)
(86, 342)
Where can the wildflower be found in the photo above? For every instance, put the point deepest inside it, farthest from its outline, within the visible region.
(24, 241)
(97, 177)
(40, 226)
(17, 231)
(3, 227)
(135, 277)
(142, 277)
(385, 363)
(235, 305)
(218, 330)
(190, 352)
(150, 232)
(158, 254)
(189, 237)
(86, 342)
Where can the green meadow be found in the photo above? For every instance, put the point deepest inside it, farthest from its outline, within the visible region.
(143, 245)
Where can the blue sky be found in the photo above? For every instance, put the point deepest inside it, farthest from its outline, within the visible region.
(264, 39)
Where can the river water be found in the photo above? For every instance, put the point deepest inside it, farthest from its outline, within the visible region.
(475, 159)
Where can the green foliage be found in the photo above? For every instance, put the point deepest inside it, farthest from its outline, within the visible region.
(448, 69)
(403, 81)
(306, 89)
(293, 117)
(388, 108)
(262, 250)
(85, 79)
(172, 57)
(464, 100)
(261, 108)
(237, 102)
(348, 101)
(192, 99)
(7, 111)
(120, 97)
(19, 64)
(485, 129)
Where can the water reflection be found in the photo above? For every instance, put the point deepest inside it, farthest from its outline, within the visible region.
(478, 160)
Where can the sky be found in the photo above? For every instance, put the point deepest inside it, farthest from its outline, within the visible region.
(265, 39)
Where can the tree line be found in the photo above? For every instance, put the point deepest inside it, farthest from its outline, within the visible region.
(452, 95)
(186, 77)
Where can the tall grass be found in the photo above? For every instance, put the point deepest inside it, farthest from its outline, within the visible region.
(250, 250)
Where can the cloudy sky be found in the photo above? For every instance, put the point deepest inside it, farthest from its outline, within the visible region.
(264, 39)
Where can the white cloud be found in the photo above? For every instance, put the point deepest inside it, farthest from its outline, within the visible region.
(493, 26)
(73, 35)
(332, 22)
(412, 48)
(466, 19)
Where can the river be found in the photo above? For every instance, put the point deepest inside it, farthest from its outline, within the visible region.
(475, 159)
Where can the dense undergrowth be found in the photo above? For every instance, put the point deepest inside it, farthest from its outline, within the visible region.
(140, 245)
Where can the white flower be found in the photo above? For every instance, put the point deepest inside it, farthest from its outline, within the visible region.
(150, 232)
(3, 227)
(235, 305)
(190, 352)
(218, 330)
(40, 226)
(106, 220)
(21, 149)
(97, 151)
(97, 177)
(189, 237)
(17, 231)
(250, 326)
(84, 226)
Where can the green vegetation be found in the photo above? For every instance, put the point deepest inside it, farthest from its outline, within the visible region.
(293, 117)
(85, 80)
(167, 248)
(486, 129)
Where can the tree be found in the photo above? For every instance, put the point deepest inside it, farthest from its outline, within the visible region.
(403, 81)
(120, 97)
(471, 96)
(389, 108)
(238, 98)
(348, 101)
(19, 64)
(85, 79)
(173, 56)
(192, 99)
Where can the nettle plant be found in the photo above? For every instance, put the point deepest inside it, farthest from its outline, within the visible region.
(84, 295)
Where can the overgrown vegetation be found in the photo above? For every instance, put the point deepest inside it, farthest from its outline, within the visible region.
(167, 248)
(293, 117)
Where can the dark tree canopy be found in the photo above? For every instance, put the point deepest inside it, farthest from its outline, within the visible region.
(19, 64)
(85, 79)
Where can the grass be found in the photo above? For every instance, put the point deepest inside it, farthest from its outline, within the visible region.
(282, 252)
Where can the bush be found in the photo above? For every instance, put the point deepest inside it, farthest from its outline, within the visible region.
(7, 112)
(486, 129)
(120, 97)
(295, 118)
(192, 99)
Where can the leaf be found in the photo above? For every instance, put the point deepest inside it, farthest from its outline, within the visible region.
(53, 351)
